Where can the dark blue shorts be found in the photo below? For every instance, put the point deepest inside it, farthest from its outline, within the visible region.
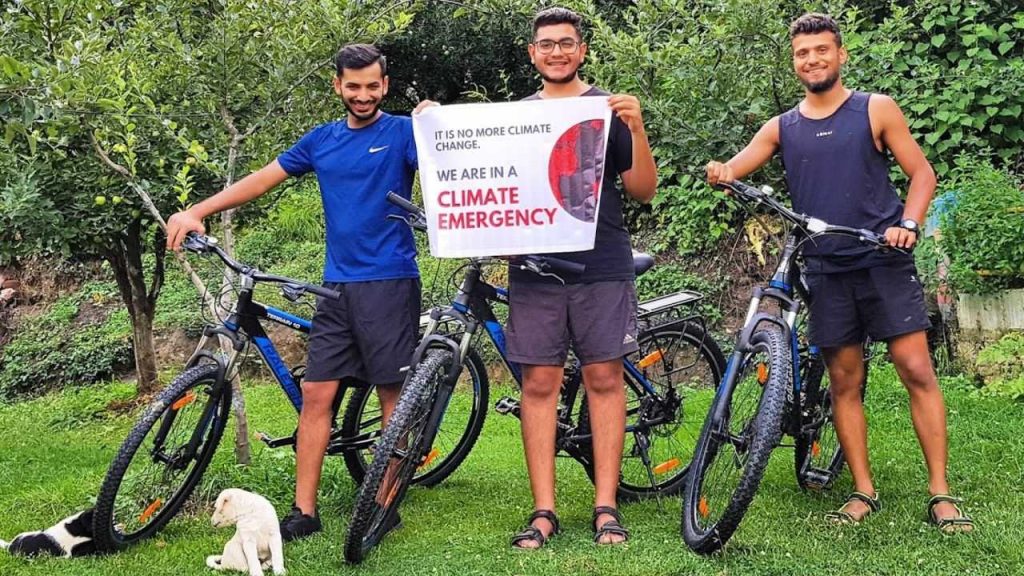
(366, 337)
(882, 302)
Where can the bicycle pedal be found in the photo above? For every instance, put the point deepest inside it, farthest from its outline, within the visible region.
(272, 442)
(507, 406)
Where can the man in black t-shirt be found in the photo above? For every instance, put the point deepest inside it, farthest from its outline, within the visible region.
(594, 312)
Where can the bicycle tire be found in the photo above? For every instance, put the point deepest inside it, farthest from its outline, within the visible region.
(681, 362)
(111, 518)
(402, 439)
(361, 417)
(754, 438)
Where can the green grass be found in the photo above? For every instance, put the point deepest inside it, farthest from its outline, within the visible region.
(54, 451)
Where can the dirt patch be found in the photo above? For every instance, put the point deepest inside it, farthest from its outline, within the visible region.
(173, 347)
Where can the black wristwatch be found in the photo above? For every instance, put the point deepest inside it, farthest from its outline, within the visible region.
(909, 224)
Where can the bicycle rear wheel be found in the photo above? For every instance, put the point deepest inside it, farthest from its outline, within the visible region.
(163, 458)
(456, 435)
(400, 452)
(682, 364)
(743, 426)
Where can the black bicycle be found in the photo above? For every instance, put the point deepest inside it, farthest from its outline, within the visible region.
(775, 384)
(170, 446)
(678, 362)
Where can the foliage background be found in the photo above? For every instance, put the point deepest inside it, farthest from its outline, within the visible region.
(165, 86)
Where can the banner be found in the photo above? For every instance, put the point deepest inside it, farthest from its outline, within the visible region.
(514, 177)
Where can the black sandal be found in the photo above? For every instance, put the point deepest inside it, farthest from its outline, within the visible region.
(533, 533)
(611, 527)
(959, 523)
(843, 517)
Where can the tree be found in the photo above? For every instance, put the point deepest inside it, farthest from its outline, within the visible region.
(101, 101)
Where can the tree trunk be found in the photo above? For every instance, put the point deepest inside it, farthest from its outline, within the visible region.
(125, 257)
(243, 452)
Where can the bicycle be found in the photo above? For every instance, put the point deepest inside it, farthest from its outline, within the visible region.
(170, 446)
(677, 361)
(773, 385)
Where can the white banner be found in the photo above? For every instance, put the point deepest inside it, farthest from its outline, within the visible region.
(512, 178)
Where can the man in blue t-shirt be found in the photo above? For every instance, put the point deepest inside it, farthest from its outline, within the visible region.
(367, 336)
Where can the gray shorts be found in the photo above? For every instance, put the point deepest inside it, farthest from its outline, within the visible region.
(598, 320)
(367, 336)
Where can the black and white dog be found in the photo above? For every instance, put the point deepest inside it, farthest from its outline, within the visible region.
(69, 538)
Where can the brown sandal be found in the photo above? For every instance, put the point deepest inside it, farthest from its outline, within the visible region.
(532, 533)
(612, 527)
(959, 523)
(842, 517)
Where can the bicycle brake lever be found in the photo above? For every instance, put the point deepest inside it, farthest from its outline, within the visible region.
(292, 293)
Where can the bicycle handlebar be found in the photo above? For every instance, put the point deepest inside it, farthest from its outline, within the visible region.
(201, 244)
(815, 226)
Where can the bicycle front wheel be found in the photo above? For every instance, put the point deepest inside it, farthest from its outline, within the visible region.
(456, 435)
(163, 458)
(743, 426)
(399, 453)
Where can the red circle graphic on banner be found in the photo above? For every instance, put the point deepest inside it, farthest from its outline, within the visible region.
(575, 169)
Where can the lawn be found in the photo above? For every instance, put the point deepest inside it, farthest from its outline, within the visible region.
(54, 452)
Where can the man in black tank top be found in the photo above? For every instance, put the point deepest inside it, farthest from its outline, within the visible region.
(834, 146)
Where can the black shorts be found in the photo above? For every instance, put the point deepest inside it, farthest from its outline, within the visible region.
(366, 337)
(882, 302)
(598, 320)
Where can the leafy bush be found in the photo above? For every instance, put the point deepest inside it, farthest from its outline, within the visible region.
(81, 338)
(1001, 366)
(957, 69)
(299, 215)
(983, 234)
(668, 278)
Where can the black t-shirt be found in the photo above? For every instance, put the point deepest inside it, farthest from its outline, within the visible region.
(612, 255)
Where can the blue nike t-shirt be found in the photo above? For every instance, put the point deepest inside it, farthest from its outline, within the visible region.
(356, 168)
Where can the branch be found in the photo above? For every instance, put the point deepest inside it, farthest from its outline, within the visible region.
(273, 109)
(147, 201)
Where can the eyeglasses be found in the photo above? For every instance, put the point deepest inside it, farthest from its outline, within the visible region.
(568, 46)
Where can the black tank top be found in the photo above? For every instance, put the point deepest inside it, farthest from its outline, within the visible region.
(834, 172)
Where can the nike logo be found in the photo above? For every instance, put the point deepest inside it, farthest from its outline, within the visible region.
(375, 150)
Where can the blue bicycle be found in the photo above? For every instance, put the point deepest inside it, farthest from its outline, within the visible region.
(678, 363)
(170, 446)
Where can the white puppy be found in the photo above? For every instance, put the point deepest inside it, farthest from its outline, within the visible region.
(257, 541)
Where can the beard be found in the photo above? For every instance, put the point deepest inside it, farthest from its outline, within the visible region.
(822, 85)
(368, 116)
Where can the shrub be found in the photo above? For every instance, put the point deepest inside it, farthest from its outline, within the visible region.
(983, 234)
(82, 338)
(1001, 366)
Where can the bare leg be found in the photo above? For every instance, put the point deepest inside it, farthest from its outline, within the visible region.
(606, 400)
(313, 434)
(538, 414)
(388, 396)
(927, 410)
(846, 373)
